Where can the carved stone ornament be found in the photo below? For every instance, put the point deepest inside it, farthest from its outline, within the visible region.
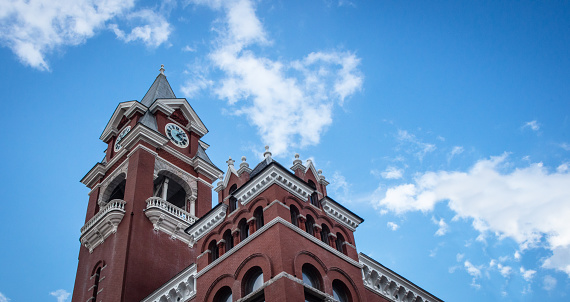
(186, 180)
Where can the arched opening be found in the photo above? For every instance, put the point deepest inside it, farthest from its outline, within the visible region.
(243, 229)
(311, 278)
(119, 191)
(170, 190)
(340, 291)
(213, 247)
(229, 240)
(233, 200)
(314, 198)
(96, 285)
(223, 295)
(325, 233)
(258, 214)
(310, 225)
(253, 281)
(294, 215)
(340, 243)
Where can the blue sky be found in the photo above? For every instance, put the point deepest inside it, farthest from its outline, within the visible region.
(445, 125)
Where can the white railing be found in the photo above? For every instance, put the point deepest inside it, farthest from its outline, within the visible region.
(113, 205)
(157, 202)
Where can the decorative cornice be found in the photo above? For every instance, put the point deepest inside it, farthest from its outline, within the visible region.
(169, 219)
(264, 228)
(142, 133)
(170, 105)
(206, 223)
(125, 108)
(340, 214)
(103, 224)
(123, 168)
(97, 172)
(394, 287)
(180, 288)
(273, 175)
(203, 167)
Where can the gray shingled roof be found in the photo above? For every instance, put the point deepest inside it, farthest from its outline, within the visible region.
(264, 163)
(160, 89)
(149, 120)
(201, 153)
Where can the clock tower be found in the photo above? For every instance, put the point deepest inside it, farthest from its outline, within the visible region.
(154, 182)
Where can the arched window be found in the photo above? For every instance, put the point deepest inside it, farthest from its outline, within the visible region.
(243, 229)
(294, 215)
(229, 240)
(119, 191)
(96, 285)
(310, 225)
(258, 214)
(340, 291)
(171, 191)
(314, 196)
(213, 247)
(233, 200)
(311, 276)
(223, 295)
(325, 233)
(340, 243)
(253, 280)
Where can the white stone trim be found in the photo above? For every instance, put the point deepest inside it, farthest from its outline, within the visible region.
(341, 215)
(206, 169)
(273, 175)
(265, 228)
(180, 288)
(276, 202)
(123, 168)
(207, 223)
(390, 285)
(161, 164)
(169, 219)
(126, 109)
(170, 105)
(94, 174)
(102, 225)
(142, 133)
(142, 147)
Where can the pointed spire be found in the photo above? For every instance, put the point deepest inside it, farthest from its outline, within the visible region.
(160, 89)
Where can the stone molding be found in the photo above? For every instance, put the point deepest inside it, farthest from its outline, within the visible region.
(103, 224)
(123, 168)
(190, 183)
(169, 219)
(390, 285)
(338, 213)
(206, 223)
(123, 109)
(273, 175)
(180, 288)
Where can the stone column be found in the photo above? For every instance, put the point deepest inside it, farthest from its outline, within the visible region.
(318, 230)
(302, 219)
(165, 189)
(251, 224)
(235, 235)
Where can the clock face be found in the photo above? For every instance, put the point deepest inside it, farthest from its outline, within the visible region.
(120, 138)
(177, 135)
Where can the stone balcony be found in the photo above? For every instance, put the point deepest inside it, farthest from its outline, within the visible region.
(103, 224)
(169, 218)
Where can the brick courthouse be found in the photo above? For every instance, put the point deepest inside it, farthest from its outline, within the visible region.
(151, 233)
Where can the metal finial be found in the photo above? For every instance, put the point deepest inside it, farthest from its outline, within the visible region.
(161, 68)
(266, 153)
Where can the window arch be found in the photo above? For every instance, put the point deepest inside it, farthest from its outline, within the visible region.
(233, 200)
(258, 214)
(229, 240)
(213, 247)
(170, 190)
(310, 225)
(96, 285)
(314, 198)
(325, 233)
(340, 291)
(340, 243)
(223, 295)
(311, 276)
(252, 281)
(294, 215)
(243, 229)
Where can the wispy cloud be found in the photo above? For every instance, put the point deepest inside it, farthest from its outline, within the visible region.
(528, 204)
(290, 102)
(35, 28)
(549, 283)
(392, 173)
(339, 186)
(455, 151)
(61, 295)
(443, 227)
(533, 125)
(527, 274)
(414, 145)
(474, 271)
(151, 28)
(3, 298)
(392, 226)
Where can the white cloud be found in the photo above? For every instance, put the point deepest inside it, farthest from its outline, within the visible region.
(517, 256)
(563, 168)
(534, 125)
(290, 102)
(527, 204)
(3, 298)
(455, 151)
(527, 274)
(153, 29)
(188, 48)
(549, 283)
(339, 186)
(459, 257)
(392, 226)
(61, 295)
(414, 144)
(34, 28)
(392, 173)
(505, 270)
(443, 227)
(474, 271)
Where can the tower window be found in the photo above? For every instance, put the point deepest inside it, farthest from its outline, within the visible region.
(253, 280)
(243, 229)
(213, 247)
(228, 239)
(119, 191)
(310, 225)
(311, 276)
(96, 285)
(294, 215)
(258, 214)
(170, 190)
(233, 200)
(340, 243)
(340, 291)
(223, 295)
(325, 234)
(314, 198)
